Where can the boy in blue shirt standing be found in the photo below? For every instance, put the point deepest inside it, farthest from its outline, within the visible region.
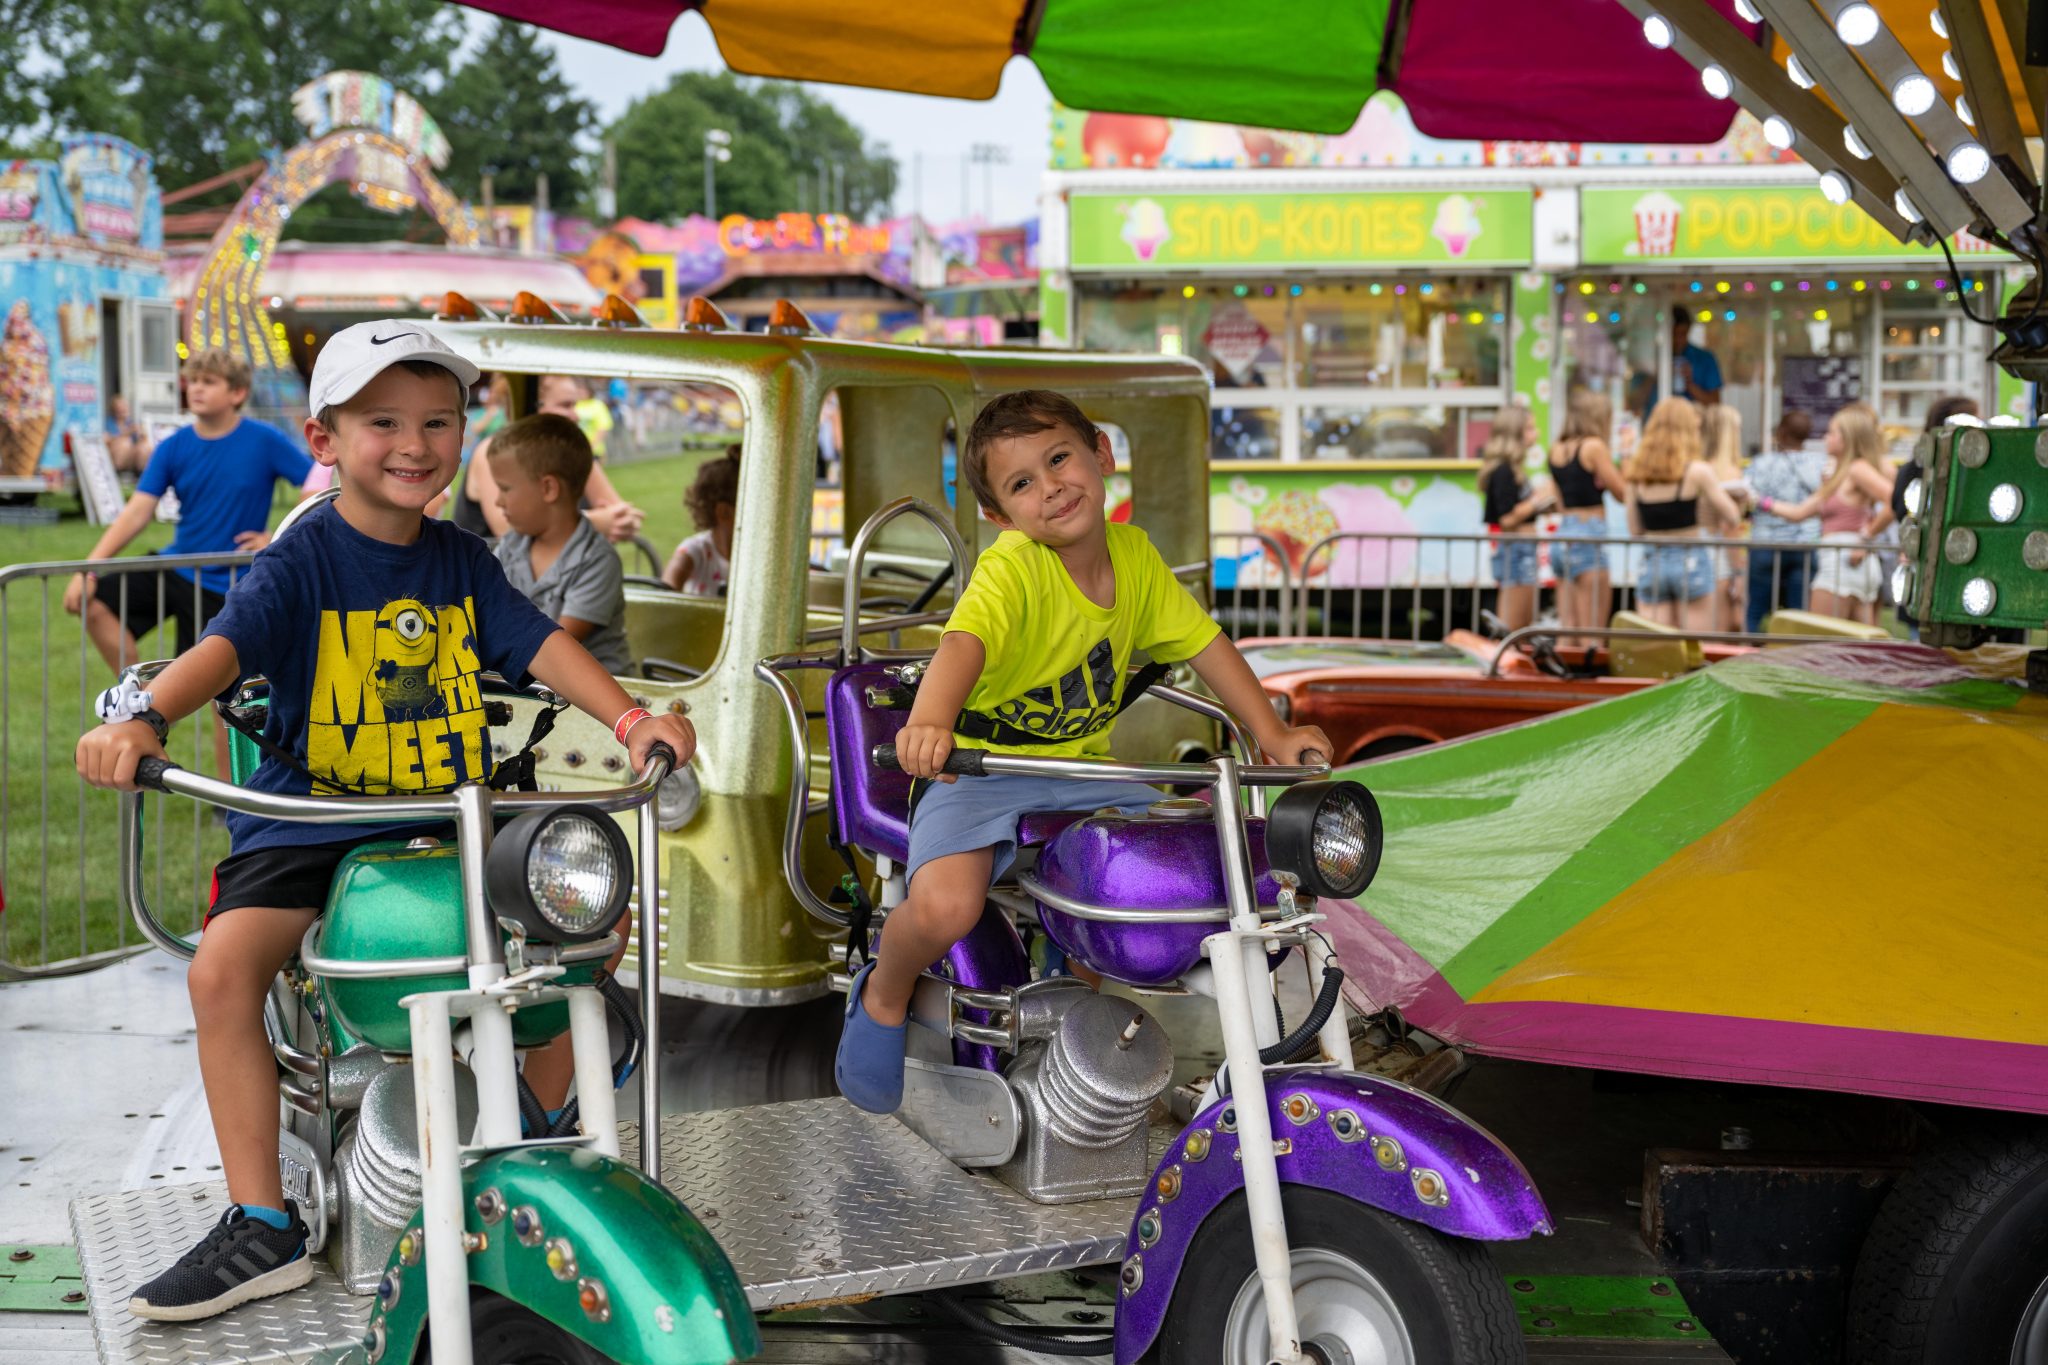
(372, 623)
(223, 468)
(1032, 662)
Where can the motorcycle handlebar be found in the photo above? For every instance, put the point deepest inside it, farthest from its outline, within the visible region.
(149, 772)
(984, 763)
(960, 762)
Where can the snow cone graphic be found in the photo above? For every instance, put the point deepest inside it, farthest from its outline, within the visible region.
(27, 401)
(1457, 224)
(1145, 229)
(1656, 225)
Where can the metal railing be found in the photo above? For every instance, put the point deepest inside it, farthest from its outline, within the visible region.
(57, 834)
(1254, 583)
(1416, 586)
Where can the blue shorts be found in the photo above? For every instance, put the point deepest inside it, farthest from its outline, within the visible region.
(1676, 573)
(1514, 563)
(1568, 559)
(982, 812)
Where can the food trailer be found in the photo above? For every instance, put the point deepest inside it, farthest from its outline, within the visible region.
(88, 312)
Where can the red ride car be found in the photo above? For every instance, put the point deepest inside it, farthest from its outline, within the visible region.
(1379, 697)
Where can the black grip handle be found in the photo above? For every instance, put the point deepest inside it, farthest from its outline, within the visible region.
(660, 749)
(961, 762)
(149, 772)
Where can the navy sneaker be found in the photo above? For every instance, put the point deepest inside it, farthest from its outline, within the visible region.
(243, 1258)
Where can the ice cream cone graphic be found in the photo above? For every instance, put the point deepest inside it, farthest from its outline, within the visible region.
(1457, 224)
(27, 401)
(1145, 229)
(1656, 224)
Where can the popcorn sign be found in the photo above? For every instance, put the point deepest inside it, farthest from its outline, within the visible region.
(1656, 225)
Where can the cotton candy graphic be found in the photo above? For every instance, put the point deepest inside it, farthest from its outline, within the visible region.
(27, 401)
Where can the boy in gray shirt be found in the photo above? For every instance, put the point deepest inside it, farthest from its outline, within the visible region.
(551, 552)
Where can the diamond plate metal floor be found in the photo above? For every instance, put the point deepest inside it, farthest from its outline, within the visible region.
(800, 1196)
(126, 1237)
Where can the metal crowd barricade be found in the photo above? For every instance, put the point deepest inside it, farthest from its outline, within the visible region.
(1254, 583)
(57, 864)
(1418, 586)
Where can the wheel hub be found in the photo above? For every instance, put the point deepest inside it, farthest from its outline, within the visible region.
(1346, 1316)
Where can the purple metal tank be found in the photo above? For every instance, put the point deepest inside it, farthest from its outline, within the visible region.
(990, 958)
(1376, 1141)
(1141, 864)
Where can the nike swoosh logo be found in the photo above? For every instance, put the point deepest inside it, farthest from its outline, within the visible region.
(379, 341)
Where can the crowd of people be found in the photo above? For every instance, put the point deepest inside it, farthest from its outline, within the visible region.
(1815, 520)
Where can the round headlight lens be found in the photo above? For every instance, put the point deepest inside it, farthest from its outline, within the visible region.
(1341, 840)
(573, 872)
(1327, 835)
(676, 799)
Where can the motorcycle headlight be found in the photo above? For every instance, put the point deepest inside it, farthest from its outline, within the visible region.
(563, 874)
(1328, 835)
(676, 799)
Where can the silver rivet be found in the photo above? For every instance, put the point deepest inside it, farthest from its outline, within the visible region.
(1960, 546)
(1973, 447)
(574, 758)
(2041, 448)
(612, 763)
(2034, 550)
(1909, 538)
(1923, 448)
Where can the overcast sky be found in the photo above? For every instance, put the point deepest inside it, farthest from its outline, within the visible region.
(929, 137)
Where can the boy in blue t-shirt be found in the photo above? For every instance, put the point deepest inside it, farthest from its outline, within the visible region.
(223, 468)
(371, 623)
(1032, 661)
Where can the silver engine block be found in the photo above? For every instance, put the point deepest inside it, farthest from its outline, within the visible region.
(377, 1171)
(1085, 1083)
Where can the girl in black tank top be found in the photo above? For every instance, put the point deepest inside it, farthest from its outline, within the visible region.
(1577, 489)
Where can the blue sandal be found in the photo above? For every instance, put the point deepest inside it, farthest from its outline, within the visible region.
(869, 1067)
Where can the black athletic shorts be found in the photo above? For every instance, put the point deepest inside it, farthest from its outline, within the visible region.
(146, 608)
(293, 876)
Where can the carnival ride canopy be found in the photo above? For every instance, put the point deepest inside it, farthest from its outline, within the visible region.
(1812, 867)
(1565, 70)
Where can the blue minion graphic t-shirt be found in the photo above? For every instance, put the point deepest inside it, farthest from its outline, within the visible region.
(373, 652)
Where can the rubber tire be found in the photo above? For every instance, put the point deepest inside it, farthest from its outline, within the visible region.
(505, 1333)
(727, 1056)
(1957, 1250)
(1453, 1300)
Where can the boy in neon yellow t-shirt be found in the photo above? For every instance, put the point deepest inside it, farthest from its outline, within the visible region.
(1032, 662)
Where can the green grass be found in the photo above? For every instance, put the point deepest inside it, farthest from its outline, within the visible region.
(57, 836)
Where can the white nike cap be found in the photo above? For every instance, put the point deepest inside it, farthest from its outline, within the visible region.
(355, 355)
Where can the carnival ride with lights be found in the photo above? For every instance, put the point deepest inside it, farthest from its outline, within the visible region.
(1803, 883)
(365, 134)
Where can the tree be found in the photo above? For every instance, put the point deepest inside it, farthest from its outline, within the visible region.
(509, 112)
(207, 84)
(780, 133)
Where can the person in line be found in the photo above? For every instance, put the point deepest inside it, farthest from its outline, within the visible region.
(1721, 441)
(1853, 505)
(551, 552)
(1512, 505)
(1786, 474)
(1582, 469)
(1939, 414)
(1695, 373)
(1032, 662)
(702, 563)
(614, 517)
(365, 607)
(1667, 484)
(127, 442)
(224, 469)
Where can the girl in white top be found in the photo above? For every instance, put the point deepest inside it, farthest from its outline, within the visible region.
(701, 564)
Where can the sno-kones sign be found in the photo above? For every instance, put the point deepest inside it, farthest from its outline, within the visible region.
(357, 99)
(110, 187)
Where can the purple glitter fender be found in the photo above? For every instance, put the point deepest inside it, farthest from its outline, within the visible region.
(1340, 1131)
(870, 808)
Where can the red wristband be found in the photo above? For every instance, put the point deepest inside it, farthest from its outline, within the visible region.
(623, 726)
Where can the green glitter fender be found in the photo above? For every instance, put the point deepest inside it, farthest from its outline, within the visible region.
(671, 1296)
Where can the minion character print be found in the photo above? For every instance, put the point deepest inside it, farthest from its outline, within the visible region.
(396, 704)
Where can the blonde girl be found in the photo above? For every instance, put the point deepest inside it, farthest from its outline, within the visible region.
(1670, 487)
(1852, 505)
(1582, 468)
(1721, 438)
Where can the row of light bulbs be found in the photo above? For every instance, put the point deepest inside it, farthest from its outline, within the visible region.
(1912, 94)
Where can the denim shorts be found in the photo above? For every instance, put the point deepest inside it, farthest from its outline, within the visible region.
(1514, 563)
(1570, 560)
(982, 812)
(1676, 573)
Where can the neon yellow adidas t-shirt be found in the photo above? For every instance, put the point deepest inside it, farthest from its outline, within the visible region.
(1055, 659)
